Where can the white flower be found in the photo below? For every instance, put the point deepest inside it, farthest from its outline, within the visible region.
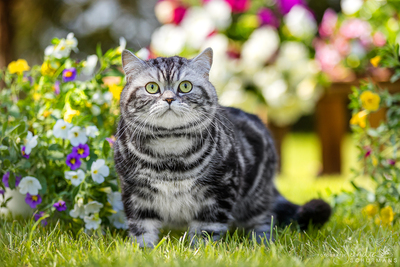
(89, 65)
(29, 185)
(75, 177)
(301, 22)
(30, 142)
(99, 170)
(119, 220)
(92, 222)
(114, 198)
(197, 24)
(93, 207)
(122, 44)
(79, 210)
(168, 40)
(349, 7)
(220, 13)
(262, 44)
(92, 131)
(95, 110)
(63, 48)
(107, 96)
(98, 98)
(143, 53)
(61, 128)
(77, 136)
(71, 42)
(49, 50)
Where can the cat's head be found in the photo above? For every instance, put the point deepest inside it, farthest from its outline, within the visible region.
(168, 92)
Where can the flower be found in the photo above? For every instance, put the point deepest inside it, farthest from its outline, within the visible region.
(30, 142)
(387, 215)
(6, 176)
(92, 222)
(368, 153)
(18, 66)
(70, 113)
(267, 17)
(122, 45)
(61, 128)
(39, 215)
(29, 185)
(300, 22)
(111, 140)
(75, 177)
(99, 170)
(93, 207)
(115, 90)
(2, 192)
(60, 205)
(79, 210)
(69, 75)
(114, 198)
(379, 39)
(143, 53)
(375, 61)
(92, 131)
(328, 23)
(77, 135)
(168, 40)
(73, 161)
(89, 65)
(391, 162)
(24, 154)
(370, 210)
(33, 201)
(238, 6)
(47, 69)
(119, 220)
(374, 161)
(63, 48)
(370, 101)
(56, 87)
(359, 119)
(82, 150)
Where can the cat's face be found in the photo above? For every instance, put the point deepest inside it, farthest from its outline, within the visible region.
(168, 92)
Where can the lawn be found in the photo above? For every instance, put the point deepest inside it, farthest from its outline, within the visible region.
(348, 239)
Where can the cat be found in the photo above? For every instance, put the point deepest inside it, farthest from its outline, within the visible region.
(185, 161)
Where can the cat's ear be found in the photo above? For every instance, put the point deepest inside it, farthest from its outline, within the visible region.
(131, 63)
(203, 61)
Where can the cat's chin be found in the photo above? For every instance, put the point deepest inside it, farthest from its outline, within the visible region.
(171, 119)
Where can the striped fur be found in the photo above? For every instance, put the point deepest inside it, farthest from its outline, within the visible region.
(191, 163)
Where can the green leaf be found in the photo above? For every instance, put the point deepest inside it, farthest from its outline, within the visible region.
(5, 124)
(43, 183)
(98, 51)
(395, 76)
(6, 164)
(11, 180)
(14, 111)
(56, 155)
(106, 148)
(56, 147)
(114, 72)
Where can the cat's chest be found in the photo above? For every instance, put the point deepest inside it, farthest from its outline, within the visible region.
(170, 145)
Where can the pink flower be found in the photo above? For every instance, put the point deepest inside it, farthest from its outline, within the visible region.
(179, 14)
(328, 23)
(286, 5)
(355, 28)
(327, 56)
(391, 162)
(379, 39)
(238, 6)
(368, 153)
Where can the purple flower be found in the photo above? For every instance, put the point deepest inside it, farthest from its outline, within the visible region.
(82, 150)
(391, 162)
(6, 176)
(111, 140)
(69, 75)
(2, 192)
(33, 201)
(267, 17)
(73, 161)
(23, 153)
(17, 180)
(56, 87)
(286, 5)
(39, 215)
(60, 205)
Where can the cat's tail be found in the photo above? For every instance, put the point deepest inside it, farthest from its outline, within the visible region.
(316, 212)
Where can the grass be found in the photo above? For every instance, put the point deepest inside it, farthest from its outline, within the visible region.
(348, 239)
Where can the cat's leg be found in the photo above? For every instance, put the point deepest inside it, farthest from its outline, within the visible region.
(261, 227)
(144, 231)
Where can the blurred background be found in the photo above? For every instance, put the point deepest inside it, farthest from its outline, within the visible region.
(292, 62)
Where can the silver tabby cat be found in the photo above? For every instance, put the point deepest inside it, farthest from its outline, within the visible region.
(186, 161)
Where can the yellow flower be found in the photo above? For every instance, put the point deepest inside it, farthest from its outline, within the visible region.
(70, 113)
(375, 61)
(46, 113)
(377, 221)
(374, 161)
(370, 210)
(387, 215)
(359, 119)
(115, 90)
(88, 104)
(370, 101)
(18, 66)
(36, 96)
(46, 69)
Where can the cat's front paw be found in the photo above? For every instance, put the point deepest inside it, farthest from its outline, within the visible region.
(146, 240)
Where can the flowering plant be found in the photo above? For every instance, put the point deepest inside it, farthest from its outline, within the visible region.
(379, 147)
(262, 52)
(56, 124)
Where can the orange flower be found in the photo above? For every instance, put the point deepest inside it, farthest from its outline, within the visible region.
(375, 61)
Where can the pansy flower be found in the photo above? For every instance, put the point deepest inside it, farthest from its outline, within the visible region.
(30, 142)
(75, 177)
(82, 150)
(39, 215)
(99, 170)
(33, 201)
(73, 161)
(60, 205)
(92, 222)
(2, 192)
(6, 176)
(29, 185)
(61, 128)
(77, 135)
(69, 75)
(23, 152)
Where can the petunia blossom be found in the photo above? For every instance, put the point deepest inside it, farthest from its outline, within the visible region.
(29, 185)
(119, 220)
(60, 205)
(92, 131)
(24, 154)
(39, 215)
(61, 128)
(114, 198)
(30, 142)
(93, 207)
(33, 201)
(17, 180)
(73, 161)
(82, 150)
(75, 177)
(69, 75)
(77, 135)
(79, 210)
(99, 170)
(89, 65)
(92, 222)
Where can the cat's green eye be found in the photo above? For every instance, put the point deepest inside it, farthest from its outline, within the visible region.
(185, 87)
(152, 88)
